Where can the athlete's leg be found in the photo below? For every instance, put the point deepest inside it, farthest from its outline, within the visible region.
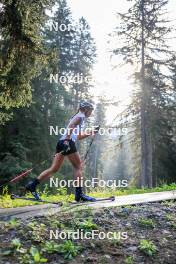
(75, 160)
(57, 162)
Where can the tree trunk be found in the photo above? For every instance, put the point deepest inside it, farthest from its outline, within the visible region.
(143, 132)
(146, 144)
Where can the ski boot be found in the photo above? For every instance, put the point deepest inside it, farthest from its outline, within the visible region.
(80, 196)
(31, 187)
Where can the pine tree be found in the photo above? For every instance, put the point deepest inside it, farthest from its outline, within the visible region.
(22, 52)
(84, 54)
(52, 104)
(144, 29)
(95, 166)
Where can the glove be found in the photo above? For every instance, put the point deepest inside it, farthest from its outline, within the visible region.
(66, 146)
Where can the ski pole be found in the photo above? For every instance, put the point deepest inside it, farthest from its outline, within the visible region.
(21, 175)
(88, 149)
(17, 177)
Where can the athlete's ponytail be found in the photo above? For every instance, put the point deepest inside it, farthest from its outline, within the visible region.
(75, 114)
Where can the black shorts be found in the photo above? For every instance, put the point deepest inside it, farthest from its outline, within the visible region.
(59, 147)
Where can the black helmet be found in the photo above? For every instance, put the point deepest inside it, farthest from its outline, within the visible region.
(86, 105)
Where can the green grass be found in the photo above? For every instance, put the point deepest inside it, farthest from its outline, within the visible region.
(147, 247)
(87, 225)
(6, 202)
(133, 190)
(171, 218)
(148, 223)
(129, 260)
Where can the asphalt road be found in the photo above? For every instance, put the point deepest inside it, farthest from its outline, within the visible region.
(49, 209)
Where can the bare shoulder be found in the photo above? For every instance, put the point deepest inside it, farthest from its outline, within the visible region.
(76, 121)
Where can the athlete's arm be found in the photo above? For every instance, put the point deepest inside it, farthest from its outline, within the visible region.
(71, 127)
(87, 134)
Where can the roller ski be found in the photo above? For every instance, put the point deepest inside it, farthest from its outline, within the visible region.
(14, 196)
(80, 197)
